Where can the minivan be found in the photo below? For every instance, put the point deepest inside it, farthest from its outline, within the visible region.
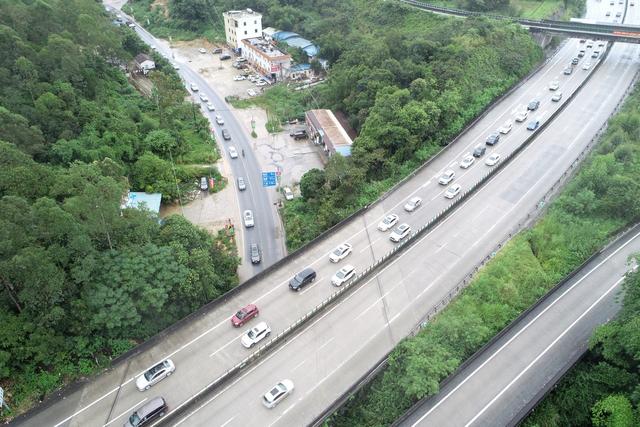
(204, 186)
(302, 279)
(142, 416)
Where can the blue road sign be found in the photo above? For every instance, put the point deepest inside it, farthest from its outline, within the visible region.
(268, 179)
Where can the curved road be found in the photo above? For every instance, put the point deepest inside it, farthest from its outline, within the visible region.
(324, 359)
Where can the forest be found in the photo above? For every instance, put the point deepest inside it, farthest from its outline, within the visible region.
(604, 389)
(83, 279)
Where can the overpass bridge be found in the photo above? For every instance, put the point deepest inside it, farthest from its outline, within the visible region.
(597, 30)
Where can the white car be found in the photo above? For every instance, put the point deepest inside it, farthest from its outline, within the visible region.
(194, 87)
(586, 65)
(340, 253)
(556, 96)
(210, 106)
(506, 127)
(522, 116)
(176, 66)
(248, 218)
(238, 78)
(343, 275)
(155, 374)
(288, 194)
(388, 222)
(219, 119)
(413, 204)
(232, 152)
(467, 161)
(132, 25)
(492, 159)
(260, 83)
(446, 177)
(453, 191)
(255, 335)
(204, 98)
(554, 85)
(274, 396)
(202, 50)
(251, 92)
(400, 232)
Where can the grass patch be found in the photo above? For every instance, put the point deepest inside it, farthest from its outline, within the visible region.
(281, 104)
(529, 9)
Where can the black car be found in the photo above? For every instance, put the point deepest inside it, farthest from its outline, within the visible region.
(226, 135)
(157, 407)
(302, 279)
(224, 56)
(479, 151)
(533, 105)
(254, 249)
(298, 134)
(493, 138)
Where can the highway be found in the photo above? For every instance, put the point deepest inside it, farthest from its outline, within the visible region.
(497, 386)
(326, 358)
(267, 230)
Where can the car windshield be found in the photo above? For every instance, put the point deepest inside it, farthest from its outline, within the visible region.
(134, 419)
(251, 334)
(338, 251)
(387, 220)
(240, 314)
(340, 274)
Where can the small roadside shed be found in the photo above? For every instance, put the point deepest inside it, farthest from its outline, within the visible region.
(144, 63)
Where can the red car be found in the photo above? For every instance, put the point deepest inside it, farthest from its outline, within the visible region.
(244, 315)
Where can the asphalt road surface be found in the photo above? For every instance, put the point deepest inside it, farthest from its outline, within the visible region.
(328, 356)
(498, 385)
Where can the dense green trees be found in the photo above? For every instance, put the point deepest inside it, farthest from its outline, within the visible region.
(81, 279)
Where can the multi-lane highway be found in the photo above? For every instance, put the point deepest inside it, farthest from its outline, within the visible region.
(324, 359)
(495, 389)
(267, 230)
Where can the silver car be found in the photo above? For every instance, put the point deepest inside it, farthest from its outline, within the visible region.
(388, 222)
(400, 232)
(155, 374)
(277, 394)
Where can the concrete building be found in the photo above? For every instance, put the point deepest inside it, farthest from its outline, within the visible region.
(324, 129)
(144, 63)
(240, 25)
(266, 58)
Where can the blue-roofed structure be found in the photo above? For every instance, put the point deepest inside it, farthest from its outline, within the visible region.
(295, 40)
(140, 200)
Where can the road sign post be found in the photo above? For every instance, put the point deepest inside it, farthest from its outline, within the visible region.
(268, 179)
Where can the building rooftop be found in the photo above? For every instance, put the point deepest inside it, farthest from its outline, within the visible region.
(245, 13)
(334, 135)
(141, 57)
(295, 40)
(260, 44)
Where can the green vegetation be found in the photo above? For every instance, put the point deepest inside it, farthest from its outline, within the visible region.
(82, 280)
(530, 9)
(604, 196)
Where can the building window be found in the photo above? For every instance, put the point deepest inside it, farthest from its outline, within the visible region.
(256, 30)
(255, 22)
(245, 23)
(245, 32)
(236, 24)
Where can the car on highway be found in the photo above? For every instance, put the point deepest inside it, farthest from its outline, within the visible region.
(388, 222)
(241, 184)
(608, 13)
(288, 194)
(202, 50)
(446, 177)
(533, 124)
(239, 78)
(155, 374)
(586, 65)
(567, 71)
(245, 314)
(226, 135)
(618, 14)
(400, 232)
(533, 105)
(219, 119)
(247, 217)
(589, 44)
(581, 53)
(594, 55)
(575, 61)
(233, 153)
(340, 253)
(256, 334)
(556, 97)
(343, 275)
(453, 191)
(254, 252)
(554, 85)
(413, 204)
(493, 138)
(583, 40)
(479, 151)
(506, 127)
(210, 106)
(492, 160)
(522, 116)
(194, 87)
(277, 394)
(151, 410)
(251, 92)
(302, 279)
(467, 161)
(204, 185)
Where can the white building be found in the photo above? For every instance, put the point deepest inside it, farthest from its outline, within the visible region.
(267, 58)
(144, 63)
(240, 25)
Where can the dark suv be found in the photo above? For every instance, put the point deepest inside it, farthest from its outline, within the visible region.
(493, 138)
(143, 416)
(254, 249)
(299, 134)
(302, 279)
(533, 105)
(479, 151)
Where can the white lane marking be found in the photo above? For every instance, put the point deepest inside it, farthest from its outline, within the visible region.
(299, 364)
(534, 361)
(308, 287)
(86, 407)
(325, 344)
(527, 326)
(125, 412)
(227, 422)
(226, 345)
